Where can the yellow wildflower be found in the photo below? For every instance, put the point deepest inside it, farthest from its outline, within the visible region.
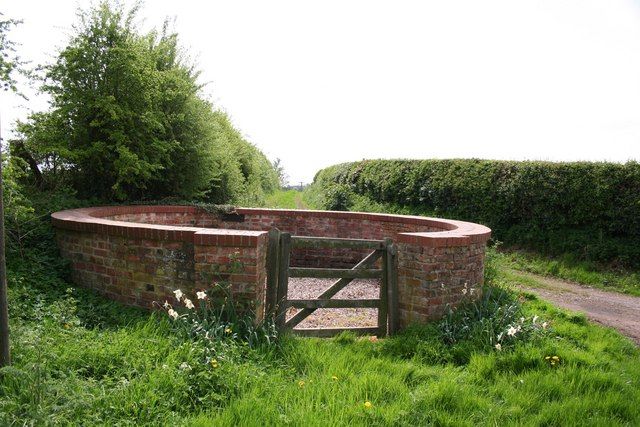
(301, 384)
(214, 363)
(227, 330)
(367, 404)
(334, 378)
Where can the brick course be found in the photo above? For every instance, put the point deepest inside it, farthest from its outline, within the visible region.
(140, 254)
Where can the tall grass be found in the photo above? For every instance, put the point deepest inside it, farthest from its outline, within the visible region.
(122, 366)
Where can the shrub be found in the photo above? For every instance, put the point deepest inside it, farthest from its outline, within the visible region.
(586, 208)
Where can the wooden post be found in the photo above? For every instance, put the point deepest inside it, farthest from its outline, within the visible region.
(5, 355)
(273, 250)
(283, 280)
(384, 285)
(392, 290)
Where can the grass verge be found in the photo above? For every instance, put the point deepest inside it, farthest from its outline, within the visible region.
(79, 359)
(568, 268)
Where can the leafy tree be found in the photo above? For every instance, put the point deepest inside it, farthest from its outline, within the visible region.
(10, 62)
(283, 178)
(127, 121)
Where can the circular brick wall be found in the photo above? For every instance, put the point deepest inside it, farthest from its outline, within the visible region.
(140, 254)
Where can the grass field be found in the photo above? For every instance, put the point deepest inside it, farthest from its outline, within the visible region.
(80, 359)
(286, 199)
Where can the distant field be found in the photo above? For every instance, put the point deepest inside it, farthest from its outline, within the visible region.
(286, 199)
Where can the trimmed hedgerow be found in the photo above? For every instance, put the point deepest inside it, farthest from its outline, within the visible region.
(589, 209)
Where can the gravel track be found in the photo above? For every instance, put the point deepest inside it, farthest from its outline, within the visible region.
(613, 309)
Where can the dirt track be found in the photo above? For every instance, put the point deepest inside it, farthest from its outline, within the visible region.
(616, 310)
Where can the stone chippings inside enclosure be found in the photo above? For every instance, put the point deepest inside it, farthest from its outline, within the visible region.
(307, 288)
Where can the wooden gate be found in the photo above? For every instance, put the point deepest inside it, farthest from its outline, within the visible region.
(279, 271)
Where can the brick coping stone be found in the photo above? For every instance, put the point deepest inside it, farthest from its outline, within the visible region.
(96, 220)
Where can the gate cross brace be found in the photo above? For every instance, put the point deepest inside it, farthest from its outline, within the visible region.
(334, 288)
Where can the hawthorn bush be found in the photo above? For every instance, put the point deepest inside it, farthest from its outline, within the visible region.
(588, 209)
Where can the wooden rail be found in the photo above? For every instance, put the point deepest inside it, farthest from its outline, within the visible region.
(335, 242)
(335, 273)
(334, 303)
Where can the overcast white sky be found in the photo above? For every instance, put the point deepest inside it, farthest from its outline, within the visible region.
(321, 82)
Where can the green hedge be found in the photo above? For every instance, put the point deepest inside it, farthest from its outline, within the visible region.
(589, 209)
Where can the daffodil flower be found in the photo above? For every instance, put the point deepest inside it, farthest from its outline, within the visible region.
(498, 347)
(188, 303)
(172, 313)
(512, 331)
(178, 293)
(201, 295)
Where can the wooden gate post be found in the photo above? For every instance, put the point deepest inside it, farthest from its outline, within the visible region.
(283, 280)
(384, 293)
(273, 254)
(392, 289)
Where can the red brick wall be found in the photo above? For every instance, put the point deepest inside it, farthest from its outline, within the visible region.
(140, 254)
(430, 279)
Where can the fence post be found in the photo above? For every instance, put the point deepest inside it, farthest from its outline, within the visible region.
(392, 289)
(283, 280)
(384, 286)
(272, 273)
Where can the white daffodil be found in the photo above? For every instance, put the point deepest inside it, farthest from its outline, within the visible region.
(464, 291)
(512, 331)
(172, 313)
(544, 325)
(498, 347)
(201, 295)
(166, 304)
(535, 318)
(188, 303)
(522, 320)
(178, 293)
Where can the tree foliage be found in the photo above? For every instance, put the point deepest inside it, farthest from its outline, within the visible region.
(127, 120)
(10, 62)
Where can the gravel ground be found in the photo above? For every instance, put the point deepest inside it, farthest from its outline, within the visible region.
(335, 317)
